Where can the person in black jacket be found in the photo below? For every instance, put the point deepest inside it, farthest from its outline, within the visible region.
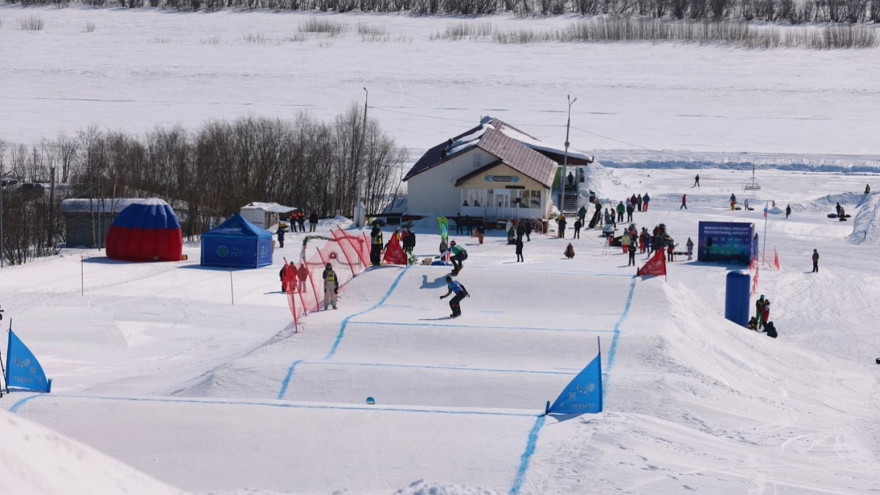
(280, 233)
(376, 245)
(313, 221)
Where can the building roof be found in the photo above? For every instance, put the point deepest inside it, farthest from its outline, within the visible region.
(270, 207)
(513, 147)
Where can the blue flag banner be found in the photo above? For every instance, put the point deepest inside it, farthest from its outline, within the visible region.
(584, 393)
(22, 368)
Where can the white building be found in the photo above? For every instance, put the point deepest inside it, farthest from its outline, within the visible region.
(493, 171)
(265, 215)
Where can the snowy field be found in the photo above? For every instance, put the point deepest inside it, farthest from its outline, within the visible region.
(162, 384)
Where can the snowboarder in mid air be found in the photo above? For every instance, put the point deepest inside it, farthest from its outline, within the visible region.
(458, 255)
(460, 293)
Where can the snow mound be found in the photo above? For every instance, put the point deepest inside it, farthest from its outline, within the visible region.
(866, 226)
(421, 487)
(35, 459)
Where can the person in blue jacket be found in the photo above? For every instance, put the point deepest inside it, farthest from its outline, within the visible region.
(460, 292)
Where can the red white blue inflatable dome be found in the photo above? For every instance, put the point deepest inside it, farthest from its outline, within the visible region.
(147, 230)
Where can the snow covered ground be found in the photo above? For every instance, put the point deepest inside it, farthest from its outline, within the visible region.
(155, 368)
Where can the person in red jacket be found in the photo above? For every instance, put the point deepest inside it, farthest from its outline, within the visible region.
(684, 202)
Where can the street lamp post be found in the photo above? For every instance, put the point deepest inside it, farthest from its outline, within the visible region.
(359, 203)
(562, 177)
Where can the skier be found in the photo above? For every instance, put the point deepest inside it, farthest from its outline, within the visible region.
(684, 202)
(815, 262)
(458, 255)
(460, 293)
(787, 211)
(331, 286)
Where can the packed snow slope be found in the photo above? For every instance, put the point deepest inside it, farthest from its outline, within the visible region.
(196, 377)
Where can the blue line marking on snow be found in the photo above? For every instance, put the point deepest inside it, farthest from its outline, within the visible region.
(21, 402)
(613, 350)
(286, 381)
(540, 329)
(289, 405)
(527, 456)
(349, 317)
(439, 367)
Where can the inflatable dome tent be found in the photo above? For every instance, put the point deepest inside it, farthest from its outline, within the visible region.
(147, 230)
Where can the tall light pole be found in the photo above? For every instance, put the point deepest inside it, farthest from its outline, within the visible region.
(359, 200)
(562, 177)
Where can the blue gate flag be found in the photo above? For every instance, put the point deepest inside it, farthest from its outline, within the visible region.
(584, 393)
(22, 368)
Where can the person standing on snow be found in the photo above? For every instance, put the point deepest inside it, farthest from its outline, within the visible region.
(787, 211)
(759, 307)
(645, 201)
(560, 221)
(690, 249)
(577, 228)
(454, 286)
(280, 233)
(684, 202)
(632, 252)
(313, 221)
(815, 262)
(331, 286)
(376, 245)
(519, 248)
(620, 211)
(696, 181)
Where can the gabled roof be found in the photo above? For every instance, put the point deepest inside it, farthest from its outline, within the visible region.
(236, 226)
(490, 137)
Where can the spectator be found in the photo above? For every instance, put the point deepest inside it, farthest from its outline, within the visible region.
(313, 221)
(815, 262)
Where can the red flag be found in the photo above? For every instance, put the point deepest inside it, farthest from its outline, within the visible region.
(655, 266)
(775, 258)
(394, 253)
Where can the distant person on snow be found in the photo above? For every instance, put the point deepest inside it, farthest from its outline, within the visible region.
(867, 189)
(331, 286)
(313, 221)
(787, 211)
(519, 248)
(815, 261)
(280, 233)
(684, 202)
(690, 249)
(759, 307)
(569, 251)
(460, 292)
(696, 181)
(645, 201)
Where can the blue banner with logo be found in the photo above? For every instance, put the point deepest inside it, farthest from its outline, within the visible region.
(725, 242)
(584, 393)
(22, 368)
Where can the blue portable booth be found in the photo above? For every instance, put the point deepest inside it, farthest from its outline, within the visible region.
(237, 243)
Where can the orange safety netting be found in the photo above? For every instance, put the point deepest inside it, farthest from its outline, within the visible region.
(347, 253)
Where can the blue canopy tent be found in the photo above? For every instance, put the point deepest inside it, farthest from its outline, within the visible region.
(237, 242)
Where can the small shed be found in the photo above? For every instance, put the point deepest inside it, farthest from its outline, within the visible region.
(237, 243)
(265, 215)
(87, 220)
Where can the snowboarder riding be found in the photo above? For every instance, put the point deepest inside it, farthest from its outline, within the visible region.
(460, 293)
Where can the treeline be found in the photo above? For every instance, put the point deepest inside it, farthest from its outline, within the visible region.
(801, 11)
(208, 174)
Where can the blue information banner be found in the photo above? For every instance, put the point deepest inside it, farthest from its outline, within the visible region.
(725, 241)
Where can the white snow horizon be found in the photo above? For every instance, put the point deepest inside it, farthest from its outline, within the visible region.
(162, 385)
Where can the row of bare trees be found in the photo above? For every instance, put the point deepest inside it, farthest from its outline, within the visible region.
(843, 11)
(207, 174)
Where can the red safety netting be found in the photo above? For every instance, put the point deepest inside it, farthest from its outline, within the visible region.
(348, 253)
